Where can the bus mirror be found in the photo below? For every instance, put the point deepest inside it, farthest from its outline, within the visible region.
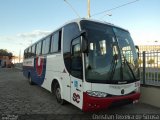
(84, 47)
(83, 33)
(137, 49)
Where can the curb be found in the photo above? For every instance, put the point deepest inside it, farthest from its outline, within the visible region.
(18, 68)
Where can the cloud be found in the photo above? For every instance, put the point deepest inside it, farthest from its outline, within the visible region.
(7, 38)
(145, 37)
(34, 34)
(21, 40)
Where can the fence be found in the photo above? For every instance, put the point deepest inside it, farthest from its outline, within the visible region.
(149, 62)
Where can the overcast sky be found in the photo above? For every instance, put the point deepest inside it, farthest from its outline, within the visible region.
(23, 22)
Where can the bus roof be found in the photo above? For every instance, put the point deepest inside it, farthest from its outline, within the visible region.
(77, 21)
(93, 20)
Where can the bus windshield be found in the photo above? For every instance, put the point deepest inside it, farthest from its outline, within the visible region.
(111, 57)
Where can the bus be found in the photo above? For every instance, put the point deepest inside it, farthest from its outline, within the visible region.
(88, 63)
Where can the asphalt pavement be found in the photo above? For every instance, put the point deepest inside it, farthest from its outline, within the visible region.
(19, 100)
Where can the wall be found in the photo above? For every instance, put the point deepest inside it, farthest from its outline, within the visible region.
(18, 65)
(5, 61)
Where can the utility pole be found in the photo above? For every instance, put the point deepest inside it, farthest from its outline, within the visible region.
(88, 6)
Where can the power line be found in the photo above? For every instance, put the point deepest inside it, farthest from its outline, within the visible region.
(72, 8)
(115, 8)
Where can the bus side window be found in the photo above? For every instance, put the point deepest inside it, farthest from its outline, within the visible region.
(76, 60)
(70, 31)
(56, 42)
(46, 45)
(29, 52)
(25, 54)
(38, 48)
(33, 51)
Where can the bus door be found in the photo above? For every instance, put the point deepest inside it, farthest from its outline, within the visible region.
(76, 74)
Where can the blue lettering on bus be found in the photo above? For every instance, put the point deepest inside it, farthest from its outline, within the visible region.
(75, 83)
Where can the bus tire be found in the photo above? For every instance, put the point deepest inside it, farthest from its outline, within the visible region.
(30, 80)
(58, 94)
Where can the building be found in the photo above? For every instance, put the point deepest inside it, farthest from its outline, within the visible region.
(5, 61)
(149, 48)
(152, 55)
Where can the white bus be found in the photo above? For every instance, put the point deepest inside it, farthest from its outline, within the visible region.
(88, 63)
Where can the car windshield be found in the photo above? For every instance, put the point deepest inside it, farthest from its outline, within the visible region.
(111, 56)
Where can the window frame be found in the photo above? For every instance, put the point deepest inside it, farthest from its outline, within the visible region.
(69, 32)
(49, 47)
(59, 32)
(74, 55)
(33, 52)
(29, 52)
(26, 53)
(40, 52)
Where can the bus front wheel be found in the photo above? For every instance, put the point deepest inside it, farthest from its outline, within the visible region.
(58, 94)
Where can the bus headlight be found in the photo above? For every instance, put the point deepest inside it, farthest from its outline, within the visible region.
(97, 94)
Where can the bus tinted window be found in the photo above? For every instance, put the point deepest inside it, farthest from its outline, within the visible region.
(29, 52)
(38, 48)
(33, 50)
(76, 66)
(56, 42)
(25, 53)
(46, 45)
(70, 31)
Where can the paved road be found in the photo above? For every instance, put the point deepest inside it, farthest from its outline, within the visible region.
(17, 97)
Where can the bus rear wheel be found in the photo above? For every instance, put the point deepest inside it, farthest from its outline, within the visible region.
(58, 94)
(30, 81)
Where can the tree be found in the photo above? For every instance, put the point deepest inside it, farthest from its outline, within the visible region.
(4, 52)
(151, 61)
(140, 61)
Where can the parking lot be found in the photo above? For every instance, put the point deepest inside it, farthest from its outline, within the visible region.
(17, 97)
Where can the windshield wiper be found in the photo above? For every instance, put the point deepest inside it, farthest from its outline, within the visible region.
(126, 61)
(113, 66)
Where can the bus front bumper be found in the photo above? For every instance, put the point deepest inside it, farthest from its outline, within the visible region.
(95, 103)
